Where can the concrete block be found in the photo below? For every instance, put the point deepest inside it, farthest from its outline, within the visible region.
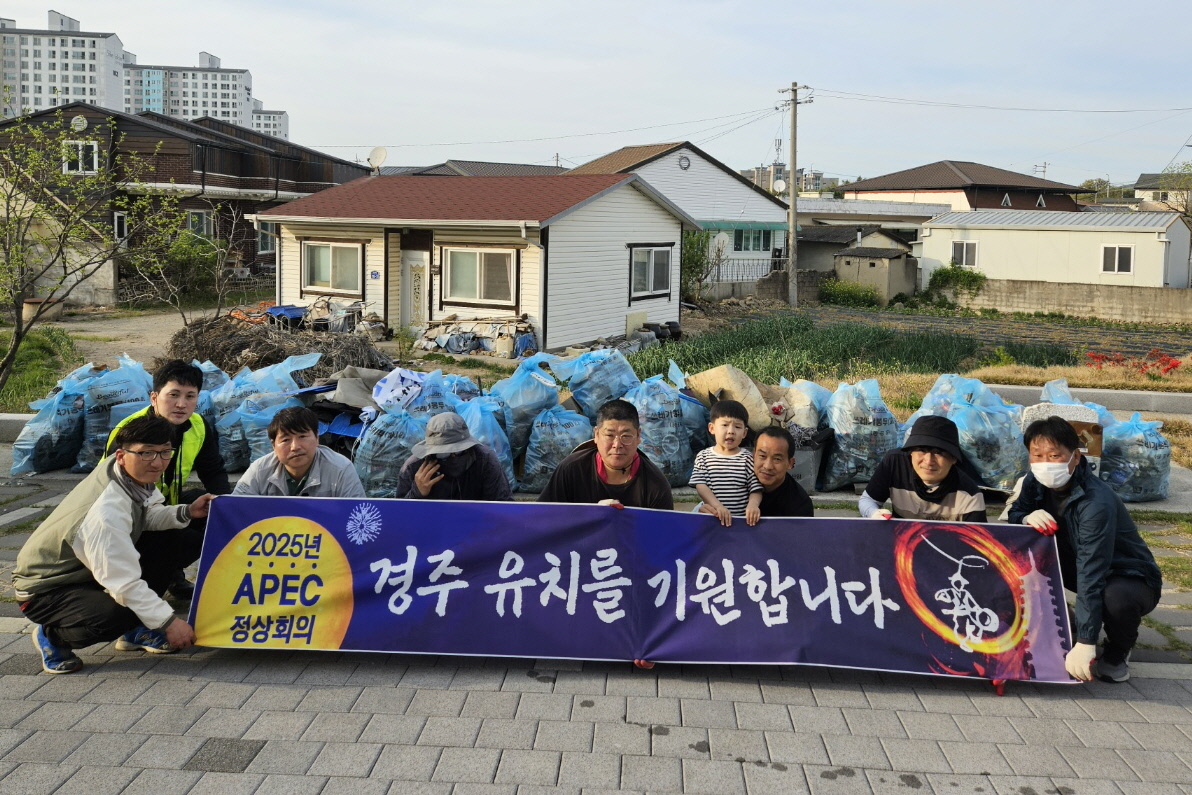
(856, 751)
(98, 779)
(592, 708)
(660, 709)
(167, 720)
(279, 725)
(281, 784)
(873, 722)
(346, 759)
(713, 777)
(384, 699)
(563, 736)
(521, 767)
(387, 728)
(507, 733)
(776, 778)
(987, 729)
(342, 727)
(976, 758)
(590, 770)
(444, 703)
(708, 714)
(226, 784)
(1157, 766)
(31, 777)
(50, 747)
(920, 756)
(169, 752)
(224, 722)
(796, 748)
(487, 704)
(329, 699)
(105, 749)
(285, 756)
(621, 738)
(544, 706)
(467, 765)
(653, 774)
(929, 726)
(441, 731)
(406, 762)
(56, 716)
(1047, 731)
(164, 782)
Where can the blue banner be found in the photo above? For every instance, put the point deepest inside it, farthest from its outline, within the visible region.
(597, 582)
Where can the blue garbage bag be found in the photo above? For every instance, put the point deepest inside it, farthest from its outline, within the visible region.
(1136, 459)
(695, 413)
(526, 393)
(991, 439)
(432, 397)
(53, 437)
(233, 446)
(384, 447)
(596, 377)
(664, 435)
(461, 386)
(128, 383)
(481, 415)
(256, 413)
(865, 430)
(1056, 391)
(213, 376)
(226, 398)
(556, 432)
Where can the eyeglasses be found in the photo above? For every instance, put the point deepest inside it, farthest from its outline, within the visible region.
(623, 438)
(149, 455)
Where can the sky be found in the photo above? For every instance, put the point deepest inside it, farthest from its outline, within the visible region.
(892, 85)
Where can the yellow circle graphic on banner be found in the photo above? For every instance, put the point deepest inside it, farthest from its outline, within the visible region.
(283, 582)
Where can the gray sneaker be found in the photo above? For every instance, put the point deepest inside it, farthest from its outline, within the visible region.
(1113, 672)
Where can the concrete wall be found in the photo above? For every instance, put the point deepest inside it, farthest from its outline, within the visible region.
(889, 276)
(1109, 302)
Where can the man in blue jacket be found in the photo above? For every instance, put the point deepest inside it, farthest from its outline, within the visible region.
(1102, 556)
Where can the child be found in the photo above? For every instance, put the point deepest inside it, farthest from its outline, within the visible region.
(723, 474)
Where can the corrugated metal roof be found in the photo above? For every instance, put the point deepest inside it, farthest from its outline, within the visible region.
(872, 251)
(870, 207)
(1049, 219)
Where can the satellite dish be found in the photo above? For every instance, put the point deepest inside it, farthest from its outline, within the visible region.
(780, 185)
(377, 156)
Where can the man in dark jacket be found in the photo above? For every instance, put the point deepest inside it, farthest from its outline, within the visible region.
(610, 469)
(451, 464)
(1102, 556)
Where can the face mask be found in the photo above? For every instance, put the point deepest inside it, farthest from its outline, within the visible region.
(1052, 475)
(454, 465)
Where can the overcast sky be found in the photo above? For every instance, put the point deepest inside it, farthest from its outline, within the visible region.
(459, 79)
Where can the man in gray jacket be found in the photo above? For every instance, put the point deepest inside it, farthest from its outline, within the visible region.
(81, 576)
(299, 466)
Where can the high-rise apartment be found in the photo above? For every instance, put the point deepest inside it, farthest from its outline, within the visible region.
(44, 68)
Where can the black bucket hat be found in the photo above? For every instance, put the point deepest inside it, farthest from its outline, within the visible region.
(937, 432)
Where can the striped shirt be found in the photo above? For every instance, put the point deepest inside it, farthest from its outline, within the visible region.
(730, 477)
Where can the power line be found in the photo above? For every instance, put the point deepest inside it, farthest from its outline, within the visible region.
(546, 138)
(849, 95)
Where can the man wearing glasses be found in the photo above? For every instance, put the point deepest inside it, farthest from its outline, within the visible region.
(610, 470)
(83, 578)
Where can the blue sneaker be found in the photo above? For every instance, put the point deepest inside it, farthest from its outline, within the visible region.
(54, 659)
(151, 640)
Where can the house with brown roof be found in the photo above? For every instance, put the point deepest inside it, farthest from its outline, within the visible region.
(749, 222)
(967, 186)
(580, 256)
(474, 168)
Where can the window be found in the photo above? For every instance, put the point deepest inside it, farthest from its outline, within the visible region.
(1040, 202)
(332, 266)
(120, 226)
(80, 157)
(751, 240)
(1006, 200)
(964, 252)
(1117, 259)
(199, 222)
(484, 275)
(1159, 196)
(266, 237)
(649, 272)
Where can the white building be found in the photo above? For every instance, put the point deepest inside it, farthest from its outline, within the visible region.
(43, 68)
(58, 65)
(1140, 249)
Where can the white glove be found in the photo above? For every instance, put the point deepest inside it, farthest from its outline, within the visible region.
(881, 513)
(1042, 521)
(1079, 661)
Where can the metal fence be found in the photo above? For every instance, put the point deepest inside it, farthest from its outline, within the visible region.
(745, 270)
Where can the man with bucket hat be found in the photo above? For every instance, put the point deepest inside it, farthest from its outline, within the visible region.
(451, 464)
(923, 480)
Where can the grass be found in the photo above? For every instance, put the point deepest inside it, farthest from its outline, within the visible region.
(1028, 374)
(44, 357)
(94, 338)
(469, 362)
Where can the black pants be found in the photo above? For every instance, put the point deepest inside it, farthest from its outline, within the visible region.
(75, 616)
(1125, 601)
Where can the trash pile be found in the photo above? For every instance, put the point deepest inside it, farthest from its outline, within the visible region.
(538, 414)
(500, 337)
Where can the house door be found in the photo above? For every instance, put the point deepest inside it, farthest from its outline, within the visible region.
(414, 267)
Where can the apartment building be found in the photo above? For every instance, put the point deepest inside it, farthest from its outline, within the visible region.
(63, 64)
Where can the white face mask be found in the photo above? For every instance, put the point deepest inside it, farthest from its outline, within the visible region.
(1053, 475)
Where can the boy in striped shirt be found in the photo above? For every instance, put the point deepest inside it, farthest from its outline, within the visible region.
(723, 473)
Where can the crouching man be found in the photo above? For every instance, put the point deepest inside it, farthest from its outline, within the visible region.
(82, 578)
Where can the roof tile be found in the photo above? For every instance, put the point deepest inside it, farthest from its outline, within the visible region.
(957, 174)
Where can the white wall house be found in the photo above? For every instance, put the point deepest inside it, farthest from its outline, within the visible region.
(749, 222)
(576, 255)
(1142, 249)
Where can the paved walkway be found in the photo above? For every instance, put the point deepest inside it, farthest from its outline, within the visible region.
(230, 721)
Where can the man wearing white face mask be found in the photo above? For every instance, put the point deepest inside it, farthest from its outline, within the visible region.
(1102, 556)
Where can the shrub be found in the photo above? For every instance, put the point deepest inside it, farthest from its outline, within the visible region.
(845, 293)
(957, 278)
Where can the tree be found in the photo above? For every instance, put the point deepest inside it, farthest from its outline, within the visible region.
(1175, 188)
(193, 261)
(702, 256)
(68, 208)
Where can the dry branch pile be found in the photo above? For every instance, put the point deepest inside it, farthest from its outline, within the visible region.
(233, 344)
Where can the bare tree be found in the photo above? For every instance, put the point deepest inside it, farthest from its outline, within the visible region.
(68, 208)
(702, 257)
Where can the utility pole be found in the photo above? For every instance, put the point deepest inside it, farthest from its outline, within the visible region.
(792, 244)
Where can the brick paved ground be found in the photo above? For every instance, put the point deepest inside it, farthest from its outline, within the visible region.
(223, 721)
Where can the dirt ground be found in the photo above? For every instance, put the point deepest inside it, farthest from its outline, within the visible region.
(102, 336)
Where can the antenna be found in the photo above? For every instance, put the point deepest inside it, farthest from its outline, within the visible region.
(376, 157)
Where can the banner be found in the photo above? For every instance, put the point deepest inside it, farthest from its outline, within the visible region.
(597, 582)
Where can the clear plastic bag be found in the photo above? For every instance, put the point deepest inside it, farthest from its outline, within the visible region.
(664, 435)
(865, 430)
(991, 439)
(384, 447)
(213, 376)
(233, 446)
(1056, 391)
(596, 377)
(528, 392)
(1136, 459)
(256, 413)
(556, 432)
(481, 415)
(462, 387)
